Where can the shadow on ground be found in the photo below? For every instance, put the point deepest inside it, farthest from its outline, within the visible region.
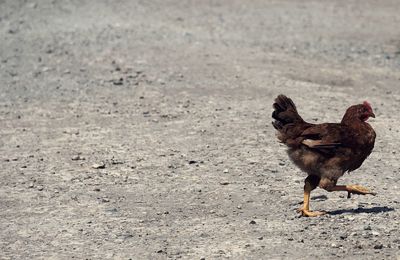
(373, 210)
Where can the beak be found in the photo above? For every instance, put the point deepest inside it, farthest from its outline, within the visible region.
(372, 114)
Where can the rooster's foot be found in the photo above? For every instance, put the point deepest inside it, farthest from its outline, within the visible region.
(307, 213)
(357, 189)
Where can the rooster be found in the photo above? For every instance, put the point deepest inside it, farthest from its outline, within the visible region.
(325, 151)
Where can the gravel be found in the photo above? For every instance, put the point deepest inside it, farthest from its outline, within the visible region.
(170, 98)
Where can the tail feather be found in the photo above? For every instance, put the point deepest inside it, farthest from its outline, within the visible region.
(285, 112)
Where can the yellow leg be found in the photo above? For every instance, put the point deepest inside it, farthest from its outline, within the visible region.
(305, 210)
(355, 189)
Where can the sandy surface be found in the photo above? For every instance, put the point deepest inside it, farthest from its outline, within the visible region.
(141, 129)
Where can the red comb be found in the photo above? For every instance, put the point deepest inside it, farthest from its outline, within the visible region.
(368, 105)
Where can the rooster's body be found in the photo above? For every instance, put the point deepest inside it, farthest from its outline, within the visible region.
(325, 151)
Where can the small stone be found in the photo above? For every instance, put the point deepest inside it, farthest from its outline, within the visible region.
(161, 81)
(118, 82)
(367, 228)
(378, 246)
(39, 188)
(77, 158)
(226, 170)
(252, 222)
(96, 189)
(224, 183)
(375, 233)
(260, 238)
(105, 199)
(31, 185)
(99, 166)
(192, 162)
(112, 210)
(114, 161)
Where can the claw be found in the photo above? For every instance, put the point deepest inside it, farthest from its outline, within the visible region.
(308, 213)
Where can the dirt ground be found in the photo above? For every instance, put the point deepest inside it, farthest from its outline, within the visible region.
(142, 129)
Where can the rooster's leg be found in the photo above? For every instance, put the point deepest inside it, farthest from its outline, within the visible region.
(310, 183)
(355, 189)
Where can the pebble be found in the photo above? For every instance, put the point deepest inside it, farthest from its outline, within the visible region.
(253, 222)
(367, 228)
(40, 188)
(105, 199)
(375, 233)
(334, 245)
(226, 170)
(112, 210)
(118, 82)
(113, 161)
(378, 246)
(224, 183)
(77, 158)
(99, 166)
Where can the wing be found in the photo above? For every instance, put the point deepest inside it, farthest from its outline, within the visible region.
(323, 136)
